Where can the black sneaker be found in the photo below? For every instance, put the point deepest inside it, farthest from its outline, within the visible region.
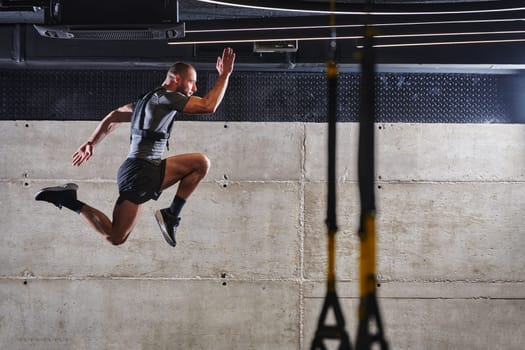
(58, 195)
(168, 224)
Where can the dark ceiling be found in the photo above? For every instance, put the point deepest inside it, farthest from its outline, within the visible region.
(420, 46)
(406, 32)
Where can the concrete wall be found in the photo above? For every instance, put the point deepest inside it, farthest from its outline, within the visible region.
(249, 268)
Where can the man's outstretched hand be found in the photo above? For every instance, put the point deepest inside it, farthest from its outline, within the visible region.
(83, 153)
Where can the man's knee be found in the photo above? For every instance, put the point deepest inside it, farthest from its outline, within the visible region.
(116, 241)
(204, 163)
(117, 238)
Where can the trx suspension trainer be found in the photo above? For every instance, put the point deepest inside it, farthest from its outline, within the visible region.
(337, 331)
(368, 307)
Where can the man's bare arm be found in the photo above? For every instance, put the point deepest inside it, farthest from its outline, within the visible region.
(212, 100)
(105, 127)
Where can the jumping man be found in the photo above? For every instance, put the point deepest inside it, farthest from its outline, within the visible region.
(144, 174)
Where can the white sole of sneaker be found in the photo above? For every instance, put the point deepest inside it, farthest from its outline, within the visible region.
(162, 226)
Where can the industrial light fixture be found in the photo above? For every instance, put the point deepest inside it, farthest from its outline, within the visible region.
(112, 32)
(437, 43)
(275, 46)
(270, 39)
(399, 44)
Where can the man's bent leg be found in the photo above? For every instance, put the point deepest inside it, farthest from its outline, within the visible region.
(188, 170)
(125, 215)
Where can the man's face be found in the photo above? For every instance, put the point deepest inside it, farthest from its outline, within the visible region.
(187, 82)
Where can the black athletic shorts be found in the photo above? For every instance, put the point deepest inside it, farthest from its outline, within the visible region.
(140, 180)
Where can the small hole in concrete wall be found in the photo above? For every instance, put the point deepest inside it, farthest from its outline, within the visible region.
(379, 186)
(225, 126)
(224, 185)
(224, 283)
(223, 275)
(225, 177)
(26, 184)
(27, 125)
(25, 282)
(379, 285)
(380, 127)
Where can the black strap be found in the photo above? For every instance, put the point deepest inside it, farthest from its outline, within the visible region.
(151, 135)
(143, 102)
(369, 335)
(145, 133)
(331, 332)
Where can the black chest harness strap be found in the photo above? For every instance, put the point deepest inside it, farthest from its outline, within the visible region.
(145, 133)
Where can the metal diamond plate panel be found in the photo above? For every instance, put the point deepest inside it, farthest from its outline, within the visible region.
(39, 94)
(439, 98)
(69, 95)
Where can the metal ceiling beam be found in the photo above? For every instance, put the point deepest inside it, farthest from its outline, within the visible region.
(377, 8)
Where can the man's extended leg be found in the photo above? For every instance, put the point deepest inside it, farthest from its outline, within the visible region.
(125, 215)
(188, 170)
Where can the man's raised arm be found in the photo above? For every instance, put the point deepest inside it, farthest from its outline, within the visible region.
(212, 100)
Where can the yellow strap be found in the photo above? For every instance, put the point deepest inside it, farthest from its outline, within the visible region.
(367, 266)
